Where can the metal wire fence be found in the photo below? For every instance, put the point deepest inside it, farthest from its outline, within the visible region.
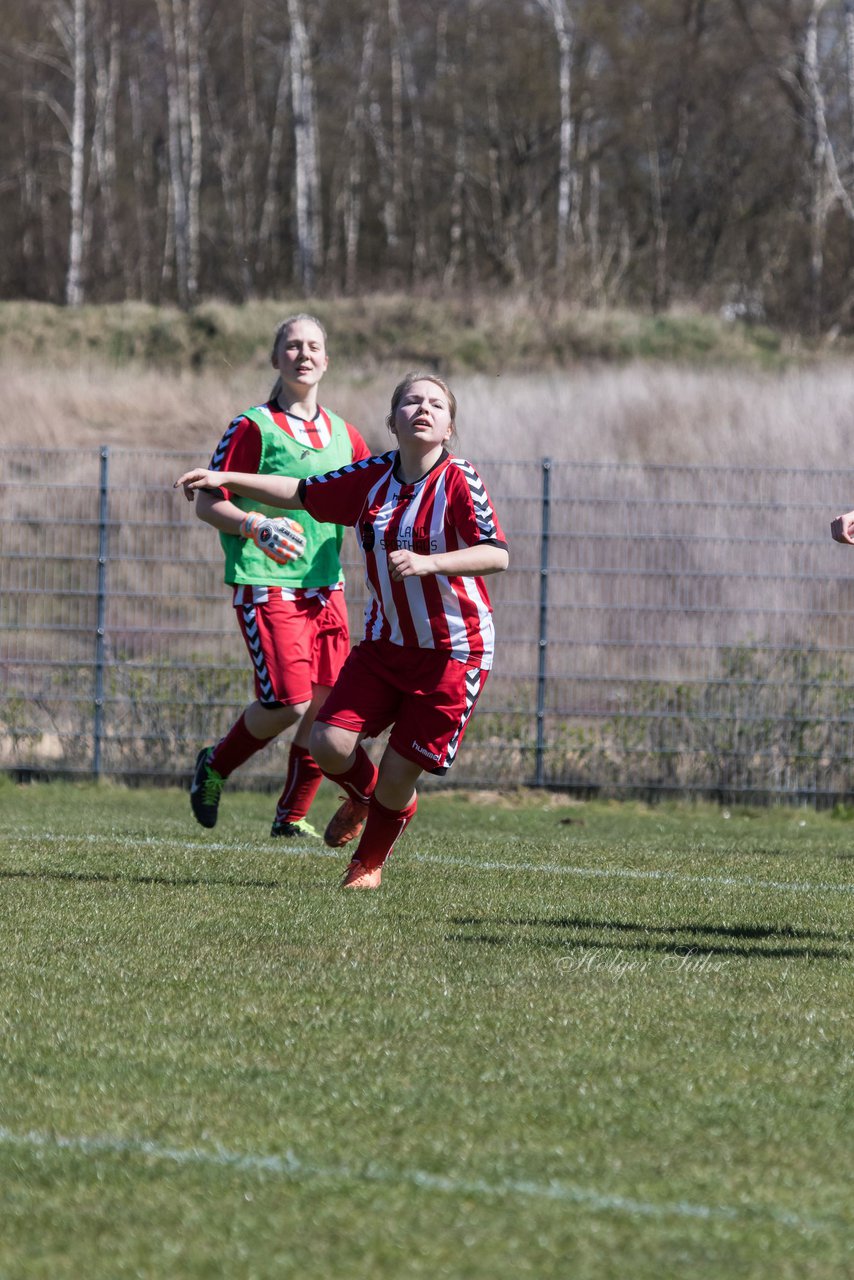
(661, 630)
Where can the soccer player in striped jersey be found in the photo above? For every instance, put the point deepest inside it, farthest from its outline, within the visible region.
(429, 535)
(291, 612)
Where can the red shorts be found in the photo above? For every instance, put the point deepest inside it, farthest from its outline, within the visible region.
(427, 696)
(294, 644)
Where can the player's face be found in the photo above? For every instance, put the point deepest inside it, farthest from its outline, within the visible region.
(424, 414)
(301, 357)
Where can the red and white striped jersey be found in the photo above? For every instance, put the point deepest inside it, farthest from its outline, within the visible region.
(445, 510)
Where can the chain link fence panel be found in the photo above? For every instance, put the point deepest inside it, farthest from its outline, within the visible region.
(661, 630)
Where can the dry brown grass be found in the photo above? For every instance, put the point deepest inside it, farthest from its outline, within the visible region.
(637, 413)
(655, 414)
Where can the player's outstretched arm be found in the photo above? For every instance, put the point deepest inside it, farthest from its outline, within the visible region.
(275, 491)
(842, 528)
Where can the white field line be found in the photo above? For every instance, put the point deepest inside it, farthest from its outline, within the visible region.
(541, 868)
(290, 1166)
(632, 873)
(281, 846)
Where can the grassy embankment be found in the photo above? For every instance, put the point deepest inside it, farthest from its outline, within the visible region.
(681, 387)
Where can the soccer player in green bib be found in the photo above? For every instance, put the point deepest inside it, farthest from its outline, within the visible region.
(286, 581)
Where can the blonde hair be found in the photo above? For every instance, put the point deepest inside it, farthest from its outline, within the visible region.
(403, 387)
(280, 333)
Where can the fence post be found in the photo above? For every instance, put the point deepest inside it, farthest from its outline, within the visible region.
(546, 466)
(104, 481)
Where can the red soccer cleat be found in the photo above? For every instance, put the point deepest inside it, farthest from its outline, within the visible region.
(345, 824)
(358, 876)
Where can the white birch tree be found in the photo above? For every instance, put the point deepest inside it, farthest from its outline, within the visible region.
(106, 56)
(826, 187)
(307, 210)
(68, 20)
(74, 24)
(564, 31)
(848, 14)
(450, 82)
(179, 26)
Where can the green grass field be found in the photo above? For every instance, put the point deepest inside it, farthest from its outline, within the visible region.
(563, 1040)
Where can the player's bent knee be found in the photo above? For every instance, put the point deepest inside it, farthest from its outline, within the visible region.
(331, 746)
(266, 721)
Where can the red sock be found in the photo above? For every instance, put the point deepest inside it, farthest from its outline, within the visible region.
(300, 785)
(359, 780)
(235, 748)
(382, 829)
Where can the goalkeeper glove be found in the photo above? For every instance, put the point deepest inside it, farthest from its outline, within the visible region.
(278, 537)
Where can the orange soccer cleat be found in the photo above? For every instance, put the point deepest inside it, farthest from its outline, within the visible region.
(346, 823)
(358, 876)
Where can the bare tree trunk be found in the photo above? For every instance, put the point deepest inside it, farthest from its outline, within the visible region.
(849, 68)
(412, 160)
(661, 190)
(249, 163)
(179, 24)
(593, 236)
(818, 207)
(187, 78)
(68, 21)
(269, 206)
(29, 192)
(106, 50)
(835, 189)
(589, 233)
(307, 153)
(805, 96)
(176, 239)
(170, 256)
(505, 249)
(194, 60)
(397, 162)
(564, 31)
(442, 60)
(226, 152)
(826, 184)
(659, 221)
(586, 175)
(458, 184)
(142, 264)
(459, 246)
(389, 210)
(355, 171)
(74, 275)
